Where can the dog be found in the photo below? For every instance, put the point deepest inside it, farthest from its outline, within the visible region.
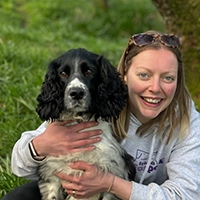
(82, 86)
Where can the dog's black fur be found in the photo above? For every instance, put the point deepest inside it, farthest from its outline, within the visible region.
(83, 85)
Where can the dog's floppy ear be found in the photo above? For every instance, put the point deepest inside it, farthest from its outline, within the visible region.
(50, 100)
(112, 92)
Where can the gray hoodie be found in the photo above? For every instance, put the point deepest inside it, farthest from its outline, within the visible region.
(165, 172)
(169, 171)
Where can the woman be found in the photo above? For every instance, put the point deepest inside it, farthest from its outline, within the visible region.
(159, 127)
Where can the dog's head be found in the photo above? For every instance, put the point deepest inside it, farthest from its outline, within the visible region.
(78, 83)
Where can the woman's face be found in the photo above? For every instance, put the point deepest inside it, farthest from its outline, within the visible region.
(152, 81)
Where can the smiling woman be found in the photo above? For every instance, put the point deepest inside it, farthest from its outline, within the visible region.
(151, 80)
(155, 62)
(159, 123)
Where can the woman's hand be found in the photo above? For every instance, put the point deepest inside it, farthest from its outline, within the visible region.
(91, 182)
(61, 137)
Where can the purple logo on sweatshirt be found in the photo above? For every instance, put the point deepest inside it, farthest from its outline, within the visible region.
(142, 160)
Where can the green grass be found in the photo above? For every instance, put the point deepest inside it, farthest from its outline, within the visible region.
(7, 180)
(33, 32)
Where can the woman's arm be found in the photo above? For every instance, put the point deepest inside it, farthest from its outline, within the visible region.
(94, 181)
(54, 139)
(22, 163)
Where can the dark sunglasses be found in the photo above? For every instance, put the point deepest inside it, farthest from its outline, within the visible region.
(144, 39)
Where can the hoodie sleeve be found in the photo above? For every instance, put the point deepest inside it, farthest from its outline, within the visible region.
(183, 171)
(22, 163)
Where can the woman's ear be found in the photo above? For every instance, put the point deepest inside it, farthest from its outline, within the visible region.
(125, 79)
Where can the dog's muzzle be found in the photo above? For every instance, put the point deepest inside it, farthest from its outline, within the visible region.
(76, 93)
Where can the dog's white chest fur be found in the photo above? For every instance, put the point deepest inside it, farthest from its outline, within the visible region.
(107, 156)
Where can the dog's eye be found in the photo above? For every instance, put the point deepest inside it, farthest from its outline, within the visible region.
(88, 72)
(63, 74)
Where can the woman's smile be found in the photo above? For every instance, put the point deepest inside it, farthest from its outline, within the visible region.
(152, 100)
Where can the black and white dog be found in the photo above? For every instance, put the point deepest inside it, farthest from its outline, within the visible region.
(84, 86)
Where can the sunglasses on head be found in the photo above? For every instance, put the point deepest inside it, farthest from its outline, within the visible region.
(144, 39)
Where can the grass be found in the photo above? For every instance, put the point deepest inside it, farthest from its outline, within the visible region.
(7, 180)
(33, 32)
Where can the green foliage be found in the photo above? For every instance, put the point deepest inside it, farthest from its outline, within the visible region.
(7, 180)
(33, 32)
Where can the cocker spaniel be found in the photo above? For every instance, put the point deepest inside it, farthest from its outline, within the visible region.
(82, 85)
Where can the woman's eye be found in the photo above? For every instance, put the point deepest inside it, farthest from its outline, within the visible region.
(169, 78)
(63, 74)
(143, 75)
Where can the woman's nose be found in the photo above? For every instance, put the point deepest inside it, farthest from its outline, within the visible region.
(155, 85)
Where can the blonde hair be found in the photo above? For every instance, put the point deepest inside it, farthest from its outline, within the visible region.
(176, 114)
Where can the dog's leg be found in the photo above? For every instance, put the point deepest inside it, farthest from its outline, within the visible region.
(109, 196)
(51, 189)
(95, 197)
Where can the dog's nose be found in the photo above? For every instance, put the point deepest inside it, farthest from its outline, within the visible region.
(76, 93)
